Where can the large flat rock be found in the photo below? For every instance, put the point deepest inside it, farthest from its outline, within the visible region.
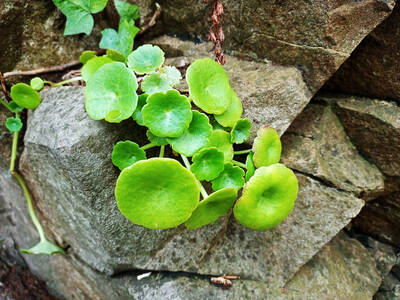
(66, 162)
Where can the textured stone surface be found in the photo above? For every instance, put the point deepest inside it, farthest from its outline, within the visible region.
(66, 162)
(373, 68)
(316, 36)
(374, 128)
(5, 135)
(271, 94)
(316, 144)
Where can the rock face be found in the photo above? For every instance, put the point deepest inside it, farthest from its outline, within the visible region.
(317, 144)
(343, 268)
(373, 68)
(271, 94)
(315, 36)
(66, 163)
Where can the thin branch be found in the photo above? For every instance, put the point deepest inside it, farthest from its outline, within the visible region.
(3, 87)
(152, 21)
(52, 69)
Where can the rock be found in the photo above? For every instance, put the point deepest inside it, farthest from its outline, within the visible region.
(338, 269)
(314, 36)
(316, 144)
(373, 68)
(373, 127)
(271, 94)
(66, 162)
(5, 135)
(32, 36)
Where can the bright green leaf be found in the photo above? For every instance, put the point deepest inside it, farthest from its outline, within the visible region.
(93, 65)
(156, 140)
(217, 126)
(86, 56)
(14, 107)
(153, 83)
(115, 55)
(126, 10)
(167, 114)
(78, 13)
(251, 168)
(193, 138)
(231, 176)
(208, 163)
(171, 74)
(267, 147)
(44, 247)
(240, 131)
(126, 154)
(232, 114)
(14, 124)
(25, 96)
(268, 197)
(121, 41)
(111, 93)
(158, 193)
(146, 58)
(37, 83)
(222, 141)
(137, 114)
(209, 86)
(210, 209)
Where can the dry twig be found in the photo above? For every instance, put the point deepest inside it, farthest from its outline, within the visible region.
(152, 21)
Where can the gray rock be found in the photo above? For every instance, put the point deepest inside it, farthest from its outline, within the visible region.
(316, 144)
(271, 94)
(66, 162)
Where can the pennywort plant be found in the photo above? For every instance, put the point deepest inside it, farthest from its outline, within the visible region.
(202, 128)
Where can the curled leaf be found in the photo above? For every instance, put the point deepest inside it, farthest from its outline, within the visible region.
(137, 114)
(210, 209)
(208, 163)
(115, 55)
(158, 193)
(267, 198)
(232, 176)
(193, 138)
(267, 147)
(232, 114)
(251, 168)
(126, 154)
(167, 114)
(240, 131)
(146, 58)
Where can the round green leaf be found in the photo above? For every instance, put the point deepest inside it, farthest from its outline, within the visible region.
(25, 96)
(267, 147)
(167, 114)
(158, 193)
(232, 114)
(126, 154)
(14, 124)
(240, 131)
(111, 93)
(222, 141)
(158, 141)
(137, 114)
(209, 86)
(171, 74)
(232, 176)
(37, 83)
(216, 126)
(154, 83)
(14, 107)
(193, 138)
(210, 209)
(268, 197)
(93, 65)
(208, 163)
(115, 55)
(251, 168)
(146, 58)
(86, 56)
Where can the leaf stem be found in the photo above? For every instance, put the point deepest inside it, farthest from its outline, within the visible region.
(148, 146)
(202, 189)
(14, 148)
(68, 81)
(242, 152)
(238, 163)
(4, 103)
(162, 149)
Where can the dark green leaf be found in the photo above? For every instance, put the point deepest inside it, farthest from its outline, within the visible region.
(126, 10)
(14, 124)
(86, 56)
(14, 107)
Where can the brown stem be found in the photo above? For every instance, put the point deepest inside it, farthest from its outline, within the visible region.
(152, 21)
